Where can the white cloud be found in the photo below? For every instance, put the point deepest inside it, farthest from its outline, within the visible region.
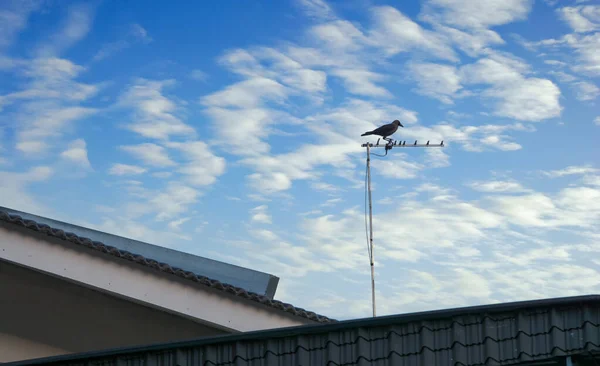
(124, 169)
(571, 170)
(474, 14)
(517, 96)
(326, 187)
(244, 130)
(240, 114)
(586, 90)
(154, 116)
(247, 94)
(176, 224)
(150, 154)
(494, 69)
(75, 28)
(48, 104)
(49, 78)
(77, 153)
(581, 19)
(555, 63)
(339, 35)
(13, 19)
(128, 228)
(436, 158)
(497, 186)
(566, 278)
(588, 50)
(199, 75)
(173, 201)
(269, 182)
(14, 193)
(592, 180)
(43, 122)
(203, 167)
(473, 284)
(318, 9)
(332, 202)
(38, 173)
(162, 174)
(437, 81)
(259, 214)
(563, 76)
(576, 207)
(362, 82)
(586, 59)
(397, 167)
(597, 121)
(533, 100)
(395, 33)
(269, 63)
(136, 33)
(341, 238)
(473, 42)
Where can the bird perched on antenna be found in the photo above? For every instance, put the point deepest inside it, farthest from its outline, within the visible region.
(385, 130)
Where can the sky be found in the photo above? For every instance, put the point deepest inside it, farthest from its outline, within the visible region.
(231, 130)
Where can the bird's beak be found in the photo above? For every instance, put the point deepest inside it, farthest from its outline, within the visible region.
(400, 124)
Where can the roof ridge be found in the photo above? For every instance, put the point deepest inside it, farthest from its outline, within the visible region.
(161, 266)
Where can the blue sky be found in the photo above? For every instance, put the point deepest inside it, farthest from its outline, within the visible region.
(232, 130)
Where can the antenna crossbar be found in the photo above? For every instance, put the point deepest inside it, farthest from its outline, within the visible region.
(393, 144)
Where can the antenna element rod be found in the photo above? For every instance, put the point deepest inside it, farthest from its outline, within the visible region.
(372, 258)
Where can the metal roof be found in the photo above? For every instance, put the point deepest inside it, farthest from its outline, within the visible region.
(499, 334)
(248, 279)
(59, 230)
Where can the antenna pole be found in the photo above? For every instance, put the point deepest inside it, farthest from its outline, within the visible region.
(371, 255)
(389, 146)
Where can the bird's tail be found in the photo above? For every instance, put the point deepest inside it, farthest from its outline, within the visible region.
(367, 133)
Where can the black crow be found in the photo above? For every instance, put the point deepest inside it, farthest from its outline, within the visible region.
(385, 130)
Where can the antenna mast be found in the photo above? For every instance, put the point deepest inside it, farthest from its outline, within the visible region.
(389, 146)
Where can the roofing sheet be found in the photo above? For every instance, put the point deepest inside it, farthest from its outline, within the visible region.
(502, 334)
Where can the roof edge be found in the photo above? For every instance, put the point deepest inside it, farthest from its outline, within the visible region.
(249, 279)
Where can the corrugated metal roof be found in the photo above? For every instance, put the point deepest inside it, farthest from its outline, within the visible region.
(502, 334)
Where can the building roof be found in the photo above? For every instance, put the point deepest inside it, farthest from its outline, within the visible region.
(9, 216)
(248, 279)
(500, 334)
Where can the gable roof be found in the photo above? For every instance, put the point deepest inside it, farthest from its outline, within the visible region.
(525, 332)
(14, 219)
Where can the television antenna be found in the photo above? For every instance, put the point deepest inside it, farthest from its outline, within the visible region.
(388, 146)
